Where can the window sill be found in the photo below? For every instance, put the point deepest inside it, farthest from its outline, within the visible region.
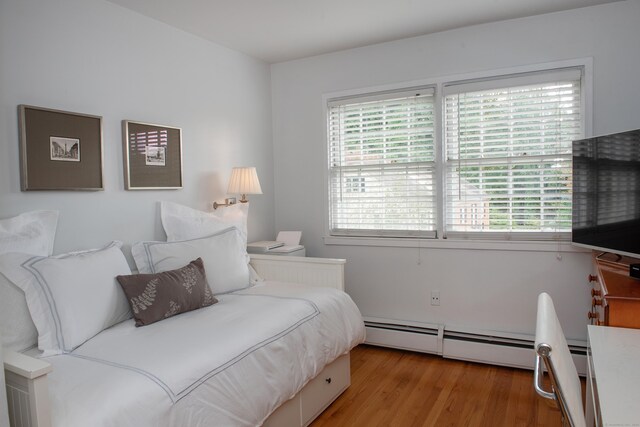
(493, 245)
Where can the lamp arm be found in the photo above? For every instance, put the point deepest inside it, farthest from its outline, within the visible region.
(227, 202)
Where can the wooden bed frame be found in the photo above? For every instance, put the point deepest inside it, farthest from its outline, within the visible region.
(26, 377)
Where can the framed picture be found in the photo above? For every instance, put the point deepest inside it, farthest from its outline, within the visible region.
(152, 156)
(59, 150)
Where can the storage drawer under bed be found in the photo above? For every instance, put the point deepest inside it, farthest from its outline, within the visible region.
(323, 389)
(315, 397)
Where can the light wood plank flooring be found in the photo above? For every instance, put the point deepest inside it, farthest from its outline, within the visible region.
(400, 388)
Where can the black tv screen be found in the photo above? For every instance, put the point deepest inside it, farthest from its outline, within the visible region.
(606, 193)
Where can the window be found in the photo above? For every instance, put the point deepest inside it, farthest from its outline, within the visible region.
(382, 165)
(501, 170)
(508, 152)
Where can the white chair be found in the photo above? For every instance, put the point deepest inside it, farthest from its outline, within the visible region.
(4, 411)
(552, 349)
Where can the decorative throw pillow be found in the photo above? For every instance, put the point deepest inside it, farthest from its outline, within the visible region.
(184, 223)
(224, 255)
(154, 297)
(71, 297)
(31, 233)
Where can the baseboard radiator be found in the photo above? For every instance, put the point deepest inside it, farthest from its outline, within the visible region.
(483, 347)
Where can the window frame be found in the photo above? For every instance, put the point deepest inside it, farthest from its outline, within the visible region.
(457, 241)
(405, 92)
(507, 82)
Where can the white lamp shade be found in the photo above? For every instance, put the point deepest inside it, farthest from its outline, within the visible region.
(244, 181)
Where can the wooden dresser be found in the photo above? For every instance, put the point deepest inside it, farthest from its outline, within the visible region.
(615, 295)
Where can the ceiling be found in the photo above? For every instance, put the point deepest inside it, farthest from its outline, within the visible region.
(282, 30)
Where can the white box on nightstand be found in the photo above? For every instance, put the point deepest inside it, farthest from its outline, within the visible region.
(291, 250)
(296, 250)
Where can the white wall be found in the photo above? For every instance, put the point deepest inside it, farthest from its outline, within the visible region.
(490, 289)
(94, 57)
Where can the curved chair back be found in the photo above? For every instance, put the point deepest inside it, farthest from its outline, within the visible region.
(4, 411)
(552, 350)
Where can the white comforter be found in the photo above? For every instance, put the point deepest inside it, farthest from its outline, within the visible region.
(230, 364)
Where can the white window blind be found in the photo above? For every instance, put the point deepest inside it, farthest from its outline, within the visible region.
(382, 164)
(508, 155)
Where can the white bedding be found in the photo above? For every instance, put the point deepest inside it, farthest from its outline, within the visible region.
(230, 364)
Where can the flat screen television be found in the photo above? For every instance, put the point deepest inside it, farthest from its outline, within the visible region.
(606, 193)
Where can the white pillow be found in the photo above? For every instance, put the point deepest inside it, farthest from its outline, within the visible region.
(184, 223)
(16, 327)
(224, 255)
(71, 297)
(32, 233)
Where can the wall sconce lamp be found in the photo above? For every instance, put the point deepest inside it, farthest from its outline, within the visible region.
(242, 181)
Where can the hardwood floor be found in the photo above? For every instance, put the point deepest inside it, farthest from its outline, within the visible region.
(400, 388)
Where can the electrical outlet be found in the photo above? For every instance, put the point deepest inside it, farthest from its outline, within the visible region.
(435, 297)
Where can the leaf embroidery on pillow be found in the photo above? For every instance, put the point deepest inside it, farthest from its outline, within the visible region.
(146, 298)
(208, 296)
(174, 309)
(190, 277)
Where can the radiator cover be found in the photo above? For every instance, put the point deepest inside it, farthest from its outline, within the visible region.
(483, 347)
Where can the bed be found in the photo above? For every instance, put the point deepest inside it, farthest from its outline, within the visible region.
(267, 342)
(256, 380)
